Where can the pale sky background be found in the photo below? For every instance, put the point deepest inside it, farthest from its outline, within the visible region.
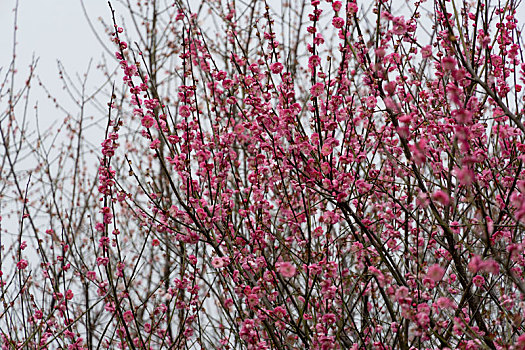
(53, 30)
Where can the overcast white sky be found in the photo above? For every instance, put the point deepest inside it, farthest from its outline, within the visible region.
(52, 30)
(51, 26)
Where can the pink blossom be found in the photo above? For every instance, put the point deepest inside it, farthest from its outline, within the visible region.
(318, 40)
(435, 273)
(276, 67)
(22, 264)
(154, 144)
(38, 314)
(221, 75)
(102, 261)
(465, 176)
(444, 303)
(371, 102)
(184, 111)
(329, 318)
(448, 63)
(478, 280)
(326, 149)
(441, 197)
(217, 262)
(91, 275)
(426, 51)
(227, 84)
(338, 22)
(313, 61)
(317, 89)
(286, 269)
(400, 26)
(352, 8)
(423, 319)
(490, 266)
(462, 115)
(128, 316)
(475, 264)
(252, 300)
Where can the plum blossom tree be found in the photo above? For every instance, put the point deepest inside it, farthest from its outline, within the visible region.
(312, 175)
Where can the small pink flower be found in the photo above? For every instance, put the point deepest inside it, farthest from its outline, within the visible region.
(317, 89)
(217, 262)
(91, 275)
(400, 26)
(338, 22)
(475, 264)
(490, 266)
(154, 144)
(318, 40)
(465, 176)
(38, 314)
(276, 67)
(102, 261)
(173, 139)
(184, 111)
(448, 63)
(351, 8)
(426, 51)
(462, 116)
(435, 273)
(128, 316)
(326, 149)
(227, 83)
(441, 197)
(22, 264)
(444, 303)
(147, 327)
(478, 280)
(313, 61)
(252, 300)
(337, 5)
(328, 318)
(228, 303)
(221, 75)
(286, 269)
(371, 102)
